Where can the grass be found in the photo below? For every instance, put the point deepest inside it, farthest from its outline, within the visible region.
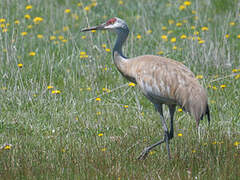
(51, 124)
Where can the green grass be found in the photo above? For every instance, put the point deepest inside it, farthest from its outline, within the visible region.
(57, 135)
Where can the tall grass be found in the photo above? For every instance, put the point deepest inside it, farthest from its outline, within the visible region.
(67, 113)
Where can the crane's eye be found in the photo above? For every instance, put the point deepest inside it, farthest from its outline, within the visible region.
(111, 21)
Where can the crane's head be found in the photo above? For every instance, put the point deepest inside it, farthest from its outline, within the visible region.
(112, 24)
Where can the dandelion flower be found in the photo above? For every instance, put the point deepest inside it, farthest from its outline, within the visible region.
(204, 28)
(17, 22)
(182, 7)
(139, 36)
(187, 3)
(160, 52)
(24, 33)
(29, 26)
(37, 20)
(164, 28)
(199, 76)
(87, 8)
(236, 143)
(2, 20)
(32, 53)
(83, 37)
(183, 36)
(152, 152)
(27, 16)
(164, 37)
(56, 92)
(149, 31)
(79, 4)
(125, 106)
(28, 7)
(178, 24)
(100, 134)
(52, 37)
(67, 11)
(173, 40)
(108, 50)
(180, 110)
(223, 86)
(131, 84)
(120, 2)
(232, 23)
(39, 36)
(98, 99)
(20, 65)
(7, 147)
(98, 113)
(238, 36)
(103, 149)
(170, 21)
(227, 36)
(60, 37)
(201, 41)
(174, 47)
(180, 134)
(50, 87)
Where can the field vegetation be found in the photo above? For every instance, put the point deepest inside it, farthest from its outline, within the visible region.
(67, 113)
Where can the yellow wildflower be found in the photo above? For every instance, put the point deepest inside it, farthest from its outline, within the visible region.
(232, 23)
(104, 45)
(120, 2)
(60, 37)
(237, 76)
(29, 26)
(79, 4)
(28, 7)
(27, 16)
(103, 149)
(199, 76)
(238, 36)
(178, 24)
(227, 36)
(24, 33)
(164, 37)
(67, 11)
(174, 47)
(2, 20)
(56, 92)
(52, 37)
(223, 86)
(39, 36)
(98, 113)
(139, 36)
(180, 134)
(180, 110)
(201, 41)
(87, 8)
(108, 50)
(173, 40)
(7, 147)
(170, 21)
(187, 3)
(204, 28)
(164, 28)
(160, 52)
(131, 84)
(37, 20)
(149, 31)
(181, 7)
(17, 22)
(100, 134)
(193, 151)
(50, 87)
(32, 53)
(20, 65)
(183, 36)
(98, 99)
(83, 37)
(236, 143)
(125, 106)
(152, 152)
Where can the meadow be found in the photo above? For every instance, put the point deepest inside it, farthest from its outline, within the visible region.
(67, 113)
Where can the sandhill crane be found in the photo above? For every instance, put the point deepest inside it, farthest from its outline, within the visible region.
(161, 80)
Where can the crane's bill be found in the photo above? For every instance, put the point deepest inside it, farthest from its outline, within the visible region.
(93, 28)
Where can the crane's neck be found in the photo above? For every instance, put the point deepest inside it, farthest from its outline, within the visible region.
(121, 38)
(121, 62)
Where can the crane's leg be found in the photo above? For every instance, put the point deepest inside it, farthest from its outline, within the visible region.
(172, 109)
(145, 152)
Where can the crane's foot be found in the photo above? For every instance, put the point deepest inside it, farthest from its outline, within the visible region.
(144, 154)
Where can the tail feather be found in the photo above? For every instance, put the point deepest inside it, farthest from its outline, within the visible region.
(208, 114)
